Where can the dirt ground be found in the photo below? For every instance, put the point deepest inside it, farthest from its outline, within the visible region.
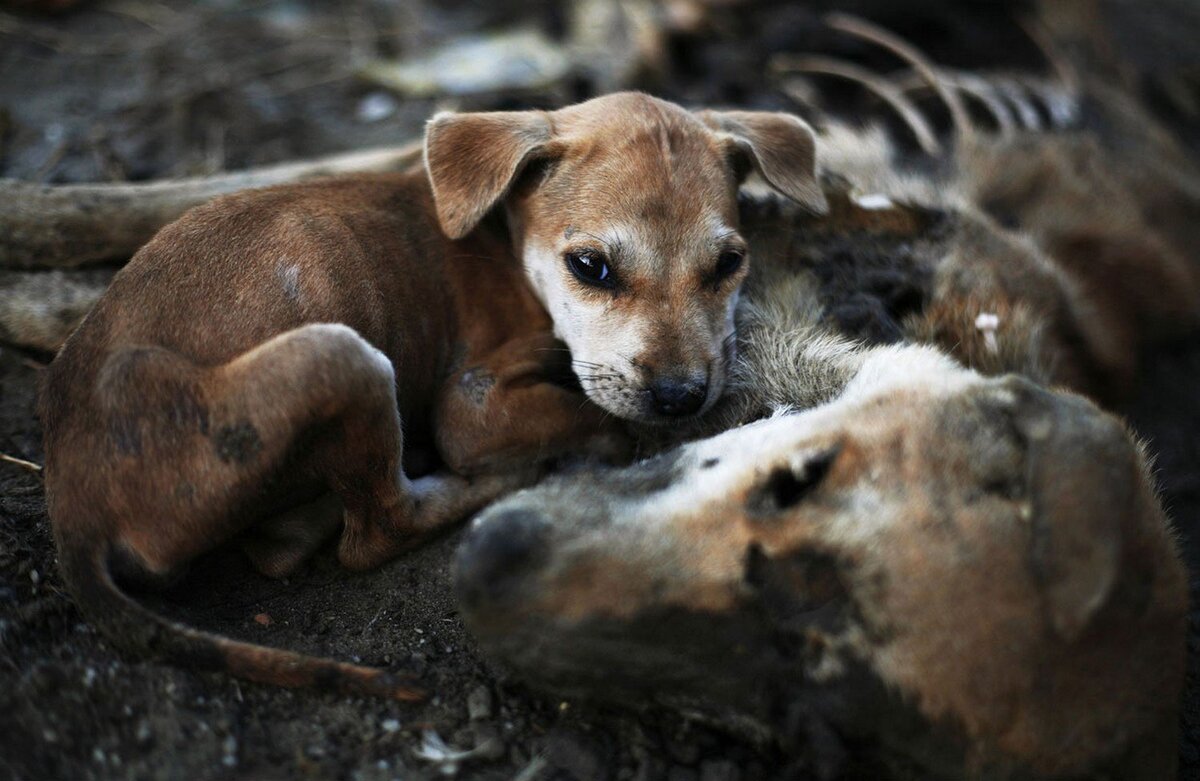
(136, 90)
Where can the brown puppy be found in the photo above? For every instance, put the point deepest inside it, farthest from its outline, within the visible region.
(246, 375)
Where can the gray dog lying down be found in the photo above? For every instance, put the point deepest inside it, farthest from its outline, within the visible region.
(970, 575)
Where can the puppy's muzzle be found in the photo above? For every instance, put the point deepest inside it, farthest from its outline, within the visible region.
(676, 397)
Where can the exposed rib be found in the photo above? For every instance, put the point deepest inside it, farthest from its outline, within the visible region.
(878, 85)
(861, 28)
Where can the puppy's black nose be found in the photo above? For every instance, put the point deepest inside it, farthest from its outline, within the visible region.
(676, 397)
(497, 555)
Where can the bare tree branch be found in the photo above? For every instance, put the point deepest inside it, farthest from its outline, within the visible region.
(66, 226)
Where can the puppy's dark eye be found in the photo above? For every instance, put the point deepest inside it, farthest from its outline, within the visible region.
(590, 267)
(728, 262)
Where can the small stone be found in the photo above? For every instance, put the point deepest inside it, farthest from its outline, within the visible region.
(390, 725)
(479, 703)
(263, 619)
(143, 734)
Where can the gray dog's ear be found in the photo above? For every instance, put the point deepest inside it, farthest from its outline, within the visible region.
(473, 159)
(781, 147)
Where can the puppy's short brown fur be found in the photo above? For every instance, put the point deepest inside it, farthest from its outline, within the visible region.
(247, 374)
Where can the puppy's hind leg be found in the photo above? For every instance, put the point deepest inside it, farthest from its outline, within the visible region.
(337, 393)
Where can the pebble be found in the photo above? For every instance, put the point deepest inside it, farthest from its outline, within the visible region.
(390, 725)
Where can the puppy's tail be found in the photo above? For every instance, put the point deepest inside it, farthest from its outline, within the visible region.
(136, 629)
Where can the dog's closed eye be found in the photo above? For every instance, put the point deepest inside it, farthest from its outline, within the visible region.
(729, 262)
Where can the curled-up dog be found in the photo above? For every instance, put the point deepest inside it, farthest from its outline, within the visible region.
(247, 376)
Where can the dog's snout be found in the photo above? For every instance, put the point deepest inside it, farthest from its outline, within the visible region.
(678, 396)
(496, 553)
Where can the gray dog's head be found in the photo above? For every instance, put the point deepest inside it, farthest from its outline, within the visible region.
(976, 562)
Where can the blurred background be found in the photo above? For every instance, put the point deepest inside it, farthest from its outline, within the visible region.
(130, 90)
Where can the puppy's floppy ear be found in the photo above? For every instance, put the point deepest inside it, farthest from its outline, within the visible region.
(781, 147)
(473, 159)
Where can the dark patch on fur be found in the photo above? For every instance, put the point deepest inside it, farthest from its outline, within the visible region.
(475, 384)
(185, 410)
(800, 592)
(709, 463)
(874, 268)
(237, 443)
(125, 433)
(869, 287)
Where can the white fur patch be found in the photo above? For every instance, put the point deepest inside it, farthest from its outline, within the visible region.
(872, 201)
